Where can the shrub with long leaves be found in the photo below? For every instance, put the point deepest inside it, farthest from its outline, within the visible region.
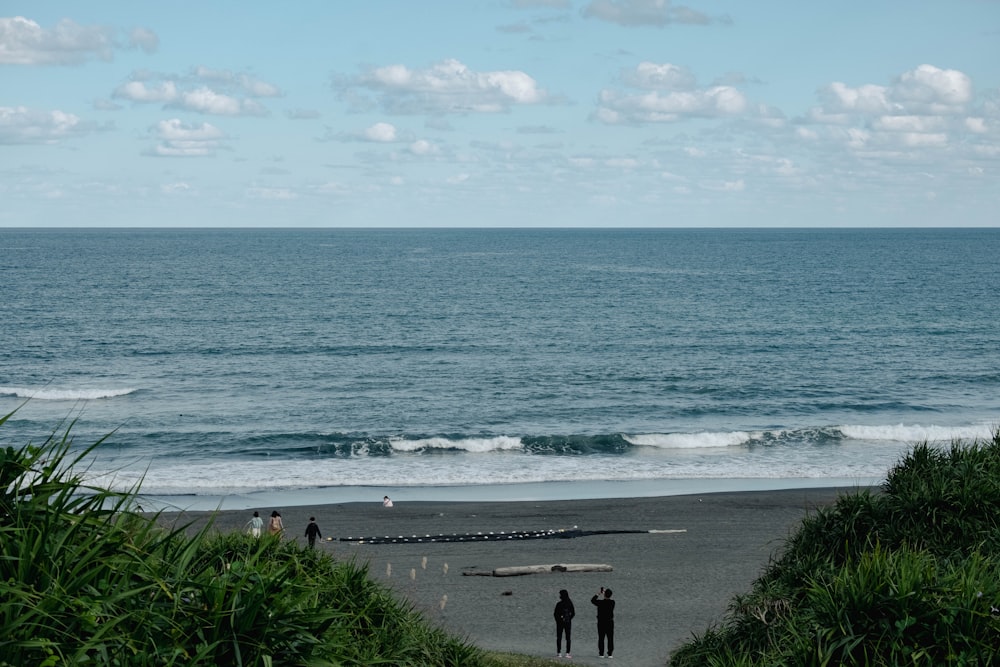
(86, 580)
(908, 575)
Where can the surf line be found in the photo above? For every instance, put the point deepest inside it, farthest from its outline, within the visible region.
(561, 534)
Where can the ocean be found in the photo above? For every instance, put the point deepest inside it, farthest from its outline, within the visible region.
(291, 366)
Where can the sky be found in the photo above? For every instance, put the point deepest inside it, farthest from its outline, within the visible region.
(500, 113)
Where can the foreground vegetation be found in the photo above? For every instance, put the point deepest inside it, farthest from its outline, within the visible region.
(86, 581)
(909, 575)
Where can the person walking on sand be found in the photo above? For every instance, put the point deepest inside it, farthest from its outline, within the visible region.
(275, 526)
(312, 532)
(605, 621)
(564, 613)
(255, 525)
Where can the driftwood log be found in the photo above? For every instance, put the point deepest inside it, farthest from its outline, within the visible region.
(521, 570)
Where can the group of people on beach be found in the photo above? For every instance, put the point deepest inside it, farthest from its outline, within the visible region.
(255, 526)
(275, 526)
(565, 611)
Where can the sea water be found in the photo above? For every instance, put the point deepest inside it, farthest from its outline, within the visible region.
(493, 364)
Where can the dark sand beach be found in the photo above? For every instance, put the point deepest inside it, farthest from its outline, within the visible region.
(668, 585)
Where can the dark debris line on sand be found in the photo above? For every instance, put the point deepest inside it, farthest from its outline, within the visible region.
(485, 537)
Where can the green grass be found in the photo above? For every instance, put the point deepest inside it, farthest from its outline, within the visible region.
(84, 580)
(909, 575)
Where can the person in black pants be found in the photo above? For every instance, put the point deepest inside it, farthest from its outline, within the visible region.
(605, 621)
(564, 613)
(312, 532)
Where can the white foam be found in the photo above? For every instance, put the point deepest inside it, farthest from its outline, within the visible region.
(64, 394)
(864, 452)
(478, 445)
(690, 440)
(213, 477)
(916, 433)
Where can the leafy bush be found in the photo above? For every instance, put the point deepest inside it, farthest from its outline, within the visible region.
(84, 580)
(909, 575)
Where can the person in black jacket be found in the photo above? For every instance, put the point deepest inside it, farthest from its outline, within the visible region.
(605, 621)
(564, 613)
(312, 532)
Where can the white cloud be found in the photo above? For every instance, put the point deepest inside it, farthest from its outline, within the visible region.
(182, 149)
(177, 188)
(668, 93)
(659, 76)
(179, 139)
(909, 123)
(423, 147)
(279, 194)
(635, 13)
(870, 98)
(725, 186)
(926, 108)
(608, 116)
(923, 139)
(20, 125)
(926, 90)
(145, 39)
(207, 91)
(858, 139)
(785, 167)
(976, 125)
(206, 100)
(378, 133)
(229, 80)
(174, 130)
(138, 91)
(381, 132)
(446, 87)
(933, 89)
(24, 42)
(653, 107)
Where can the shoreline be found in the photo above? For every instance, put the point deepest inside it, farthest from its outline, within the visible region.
(676, 561)
(519, 492)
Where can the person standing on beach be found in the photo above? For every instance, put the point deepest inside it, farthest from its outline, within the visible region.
(255, 525)
(564, 613)
(605, 621)
(275, 526)
(386, 502)
(312, 532)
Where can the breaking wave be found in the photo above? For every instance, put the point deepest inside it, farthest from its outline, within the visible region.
(64, 394)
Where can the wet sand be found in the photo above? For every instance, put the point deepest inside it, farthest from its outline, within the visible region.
(668, 585)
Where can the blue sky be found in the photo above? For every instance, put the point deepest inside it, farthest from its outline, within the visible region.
(486, 113)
